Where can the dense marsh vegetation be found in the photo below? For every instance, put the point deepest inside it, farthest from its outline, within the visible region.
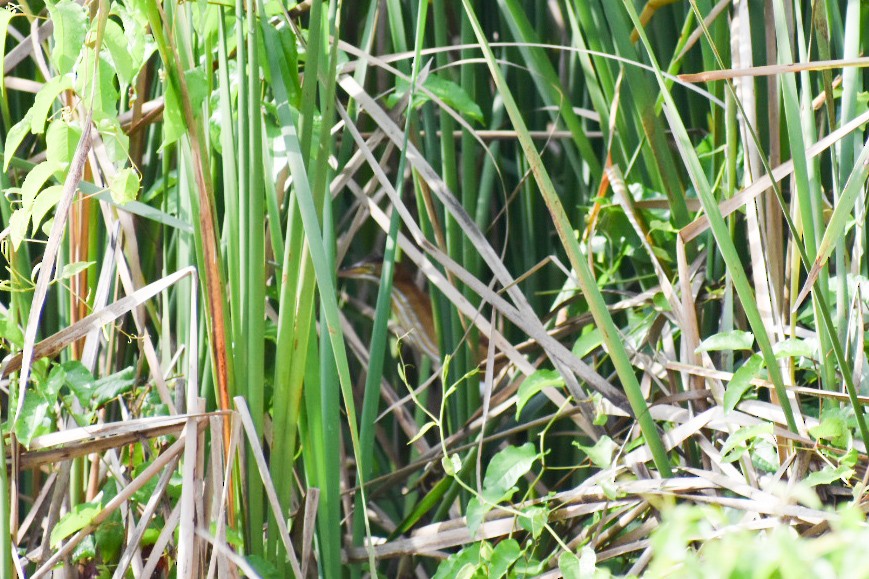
(490, 288)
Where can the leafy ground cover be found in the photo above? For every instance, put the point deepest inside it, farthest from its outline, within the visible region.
(490, 288)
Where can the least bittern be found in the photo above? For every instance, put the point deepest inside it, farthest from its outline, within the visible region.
(411, 306)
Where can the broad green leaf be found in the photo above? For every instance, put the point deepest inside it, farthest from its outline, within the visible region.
(14, 137)
(741, 381)
(138, 46)
(291, 60)
(45, 201)
(794, 348)
(61, 140)
(455, 96)
(601, 454)
(534, 519)
(34, 419)
(452, 464)
(114, 138)
(662, 256)
(70, 28)
(528, 567)
(734, 448)
(733, 340)
(215, 126)
(18, 222)
(108, 388)
(75, 520)
(197, 85)
(535, 383)
(610, 490)
(109, 538)
(832, 427)
(850, 458)
(98, 89)
(86, 550)
(425, 428)
(73, 269)
(455, 565)
(173, 119)
(474, 513)
(588, 342)
(571, 566)
(93, 394)
(507, 467)
(56, 379)
(10, 331)
(764, 455)
(449, 92)
(124, 186)
(79, 380)
(34, 181)
(116, 43)
(44, 99)
(502, 558)
(137, 10)
(136, 456)
(152, 535)
(829, 474)
(46, 227)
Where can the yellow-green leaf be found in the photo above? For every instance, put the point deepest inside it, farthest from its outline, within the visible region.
(47, 199)
(61, 140)
(741, 381)
(70, 28)
(124, 186)
(14, 137)
(75, 520)
(44, 99)
(534, 384)
(734, 340)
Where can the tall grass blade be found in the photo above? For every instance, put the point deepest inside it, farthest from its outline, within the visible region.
(596, 303)
(719, 230)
